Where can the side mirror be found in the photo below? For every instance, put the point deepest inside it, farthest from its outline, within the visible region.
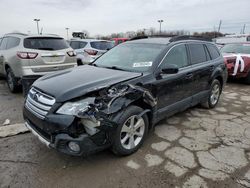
(170, 69)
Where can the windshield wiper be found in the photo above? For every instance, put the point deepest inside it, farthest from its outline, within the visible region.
(115, 68)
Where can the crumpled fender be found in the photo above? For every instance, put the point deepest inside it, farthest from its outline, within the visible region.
(134, 93)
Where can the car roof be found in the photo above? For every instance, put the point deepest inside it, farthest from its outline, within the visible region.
(23, 35)
(87, 40)
(159, 40)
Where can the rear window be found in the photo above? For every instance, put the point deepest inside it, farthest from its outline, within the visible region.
(213, 51)
(77, 44)
(13, 42)
(45, 43)
(101, 45)
(198, 54)
(236, 48)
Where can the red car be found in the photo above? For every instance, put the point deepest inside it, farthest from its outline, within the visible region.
(237, 58)
(119, 40)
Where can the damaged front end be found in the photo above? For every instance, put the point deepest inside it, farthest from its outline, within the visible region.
(86, 125)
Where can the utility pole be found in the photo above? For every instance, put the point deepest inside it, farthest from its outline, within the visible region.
(160, 21)
(67, 29)
(219, 26)
(37, 24)
(243, 30)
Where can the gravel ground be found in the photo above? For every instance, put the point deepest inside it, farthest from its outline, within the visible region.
(195, 148)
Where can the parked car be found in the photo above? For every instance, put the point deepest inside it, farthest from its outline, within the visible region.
(88, 50)
(228, 39)
(31, 56)
(119, 40)
(115, 101)
(237, 57)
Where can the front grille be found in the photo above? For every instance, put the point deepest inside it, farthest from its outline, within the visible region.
(39, 103)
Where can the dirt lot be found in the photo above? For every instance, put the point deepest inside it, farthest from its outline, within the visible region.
(196, 148)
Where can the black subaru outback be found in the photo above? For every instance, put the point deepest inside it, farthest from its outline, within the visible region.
(116, 100)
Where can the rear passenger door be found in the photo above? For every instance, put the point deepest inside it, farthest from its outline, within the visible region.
(3, 47)
(202, 68)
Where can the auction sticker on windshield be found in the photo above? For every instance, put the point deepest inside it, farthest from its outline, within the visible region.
(143, 64)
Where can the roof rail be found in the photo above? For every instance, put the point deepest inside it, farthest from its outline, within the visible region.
(189, 37)
(17, 33)
(139, 37)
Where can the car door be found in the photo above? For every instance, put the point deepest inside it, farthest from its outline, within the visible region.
(202, 68)
(174, 90)
(2, 53)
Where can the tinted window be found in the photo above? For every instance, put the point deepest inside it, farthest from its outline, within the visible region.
(177, 56)
(131, 57)
(101, 45)
(236, 48)
(83, 44)
(4, 43)
(45, 43)
(75, 45)
(248, 38)
(214, 53)
(13, 42)
(1, 40)
(197, 53)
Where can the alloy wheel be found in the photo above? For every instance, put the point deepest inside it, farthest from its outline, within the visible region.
(132, 132)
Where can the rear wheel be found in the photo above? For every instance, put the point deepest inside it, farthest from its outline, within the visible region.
(131, 131)
(214, 95)
(12, 82)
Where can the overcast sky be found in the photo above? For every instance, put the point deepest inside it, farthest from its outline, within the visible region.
(109, 16)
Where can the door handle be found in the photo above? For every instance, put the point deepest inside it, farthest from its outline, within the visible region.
(189, 75)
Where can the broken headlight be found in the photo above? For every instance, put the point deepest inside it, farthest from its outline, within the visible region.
(76, 108)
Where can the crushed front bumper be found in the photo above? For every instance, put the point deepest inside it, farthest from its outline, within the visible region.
(60, 141)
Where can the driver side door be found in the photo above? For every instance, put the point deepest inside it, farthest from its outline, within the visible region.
(174, 91)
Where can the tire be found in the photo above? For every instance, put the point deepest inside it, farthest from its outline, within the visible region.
(79, 62)
(214, 95)
(124, 135)
(247, 79)
(12, 82)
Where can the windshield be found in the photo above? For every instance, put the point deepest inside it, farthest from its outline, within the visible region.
(236, 48)
(102, 45)
(131, 57)
(45, 43)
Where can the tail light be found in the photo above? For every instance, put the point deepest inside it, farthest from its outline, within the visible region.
(27, 55)
(91, 52)
(71, 53)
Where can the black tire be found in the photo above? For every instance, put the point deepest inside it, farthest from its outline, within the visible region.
(210, 103)
(129, 112)
(79, 62)
(247, 79)
(12, 81)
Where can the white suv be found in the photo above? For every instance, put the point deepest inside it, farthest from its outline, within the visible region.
(88, 50)
(31, 56)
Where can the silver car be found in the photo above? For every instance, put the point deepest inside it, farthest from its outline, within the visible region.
(88, 50)
(33, 56)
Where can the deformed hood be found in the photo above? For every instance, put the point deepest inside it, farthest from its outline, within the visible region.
(72, 83)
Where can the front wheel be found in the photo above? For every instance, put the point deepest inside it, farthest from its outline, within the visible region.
(131, 131)
(247, 79)
(214, 95)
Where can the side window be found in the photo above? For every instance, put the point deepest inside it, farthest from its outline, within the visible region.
(13, 42)
(248, 38)
(177, 56)
(74, 44)
(1, 41)
(197, 53)
(4, 43)
(213, 51)
(83, 44)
